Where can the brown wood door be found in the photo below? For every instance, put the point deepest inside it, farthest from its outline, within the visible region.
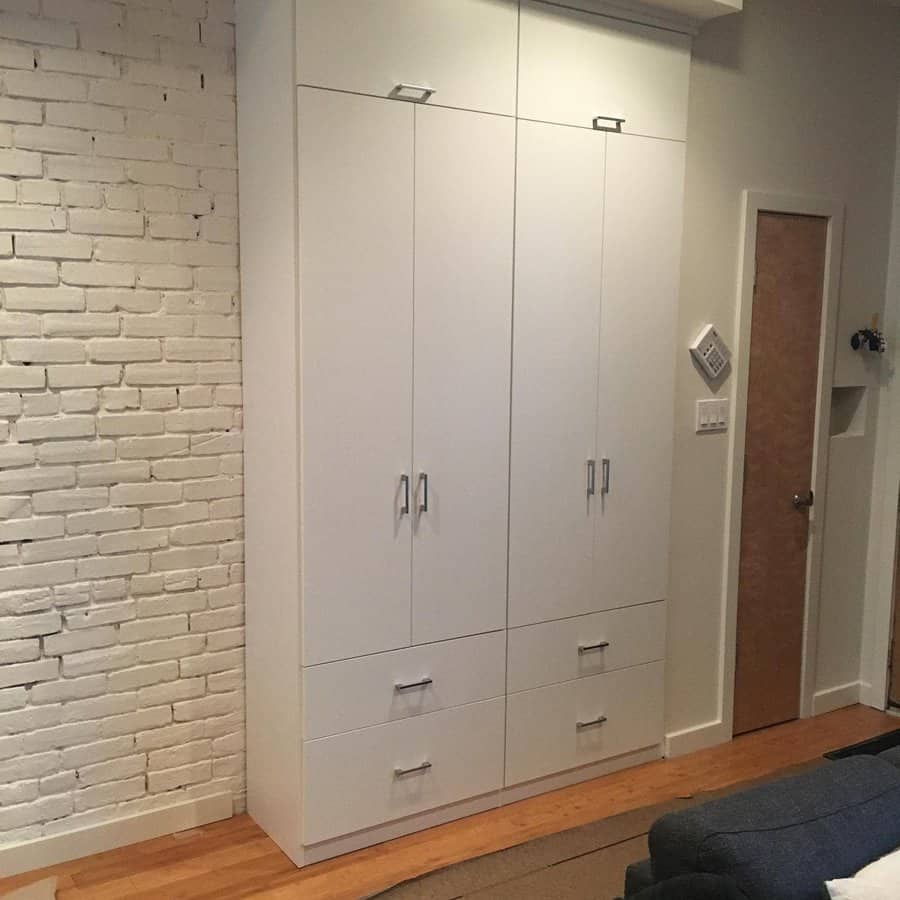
(894, 687)
(781, 421)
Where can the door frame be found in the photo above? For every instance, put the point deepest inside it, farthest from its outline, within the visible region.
(754, 203)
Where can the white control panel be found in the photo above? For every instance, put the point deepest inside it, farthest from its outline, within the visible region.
(712, 415)
(711, 352)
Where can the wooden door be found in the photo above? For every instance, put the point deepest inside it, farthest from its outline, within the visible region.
(781, 422)
(465, 51)
(576, 65)
(356, 295)
(465, 172)
(644, 188)
(559, 242)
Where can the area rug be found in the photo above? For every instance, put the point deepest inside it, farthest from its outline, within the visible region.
(584, 863)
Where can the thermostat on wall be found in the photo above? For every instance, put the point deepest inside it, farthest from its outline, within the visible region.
(711, 351)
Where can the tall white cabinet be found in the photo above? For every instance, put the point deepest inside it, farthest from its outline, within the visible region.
(461, 227)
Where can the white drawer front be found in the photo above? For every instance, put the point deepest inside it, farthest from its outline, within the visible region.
(351, 783)
(574, 66)
(464, 50)
(543, 735)
(356, 693)
(560, 651)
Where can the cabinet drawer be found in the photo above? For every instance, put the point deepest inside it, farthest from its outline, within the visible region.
(560, 651)
(351, 781)
(356, 693)
(464, 50)
(543, 735)
(574, 66)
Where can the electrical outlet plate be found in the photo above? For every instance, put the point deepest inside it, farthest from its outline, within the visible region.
(712, 415)
(711, 352)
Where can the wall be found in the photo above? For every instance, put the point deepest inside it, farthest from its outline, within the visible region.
(120, 413)
(796, 98)
(877, 621)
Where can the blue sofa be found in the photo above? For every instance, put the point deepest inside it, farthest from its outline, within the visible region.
(780, 841)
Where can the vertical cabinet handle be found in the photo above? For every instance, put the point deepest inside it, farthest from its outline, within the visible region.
(404, 484)
(604, 477)
(591, 477)
(423, 480)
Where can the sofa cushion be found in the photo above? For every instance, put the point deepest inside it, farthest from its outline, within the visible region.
(693, 887)
(638, 876)
(783, 840)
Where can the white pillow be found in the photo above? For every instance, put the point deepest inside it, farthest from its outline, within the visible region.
(877, 881)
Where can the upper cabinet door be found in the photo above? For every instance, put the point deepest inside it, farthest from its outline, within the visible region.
(462, 50)
(575, 66)
(641, 261)
(465, 171)
(356, 295)
(559, 245)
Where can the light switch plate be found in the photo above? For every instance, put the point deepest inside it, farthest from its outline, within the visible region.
(712, 415)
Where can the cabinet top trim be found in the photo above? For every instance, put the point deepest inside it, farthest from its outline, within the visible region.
(665, 14)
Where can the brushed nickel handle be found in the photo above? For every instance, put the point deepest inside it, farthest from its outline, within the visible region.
(408, 686)
(594, 723)
(415, 770)
(588, 648)
(802, 501)
(605, 466)
(614, 124)
(423, 480)
(591, 477)
(413, 93)
(404, 482)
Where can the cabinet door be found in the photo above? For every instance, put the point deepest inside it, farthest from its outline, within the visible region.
(465, 170)
(463, 50)
(578, 65)
(641, 259)
(356, 267)
(559, 235)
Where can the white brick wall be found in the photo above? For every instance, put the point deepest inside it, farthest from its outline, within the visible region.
(121, 595)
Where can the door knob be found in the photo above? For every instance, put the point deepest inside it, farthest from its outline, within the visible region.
(804, 500)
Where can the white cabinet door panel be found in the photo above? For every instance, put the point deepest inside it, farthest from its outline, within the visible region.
(641, 262)
(552, 652)
(356, 693)
(559, 234)
(356, 253)
(465, 169)
(542, 731)
(575, 65)
(464, 50)
(350, 782)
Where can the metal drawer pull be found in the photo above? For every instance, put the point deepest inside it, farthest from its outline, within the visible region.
(591, 477)
(600, 720)
(588, 648)
(604, 475)
(423, 479)
(420, 94)
(423, 682)
(615, 125)
(404, 482)
(415, 770)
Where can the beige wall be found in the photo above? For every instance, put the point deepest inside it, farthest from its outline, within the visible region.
(791, 97)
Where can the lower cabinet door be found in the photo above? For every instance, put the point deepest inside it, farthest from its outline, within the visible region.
(576, 723)
(365, 778)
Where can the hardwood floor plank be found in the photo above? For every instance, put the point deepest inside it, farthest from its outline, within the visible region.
(234, 859)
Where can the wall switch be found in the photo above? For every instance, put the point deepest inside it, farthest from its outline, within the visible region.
(712, 415)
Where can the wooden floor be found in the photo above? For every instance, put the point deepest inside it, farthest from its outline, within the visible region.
(234, 858)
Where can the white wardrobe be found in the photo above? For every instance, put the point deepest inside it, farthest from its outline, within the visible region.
(461, 229)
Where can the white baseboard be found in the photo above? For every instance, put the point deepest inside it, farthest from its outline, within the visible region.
(57, 848)
(836, 698)
(871, 695)
(698, 737)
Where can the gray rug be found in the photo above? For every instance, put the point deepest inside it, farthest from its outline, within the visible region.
(584, 863)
